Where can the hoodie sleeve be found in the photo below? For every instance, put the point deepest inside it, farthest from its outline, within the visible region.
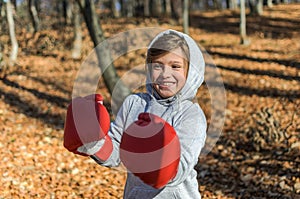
(191, 130)
(116, 131)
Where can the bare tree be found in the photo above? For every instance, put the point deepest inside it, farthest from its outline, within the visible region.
(256, 7)
(115, 8)
(14, 4)
(168, 9)
(12, 34)
(231, 4)
(186, 16)
(259, 7)
(2, 64)
(2, 13)
(270, 3)
(156, 10)
(34, 15)
(176, 9)
(244, 39)
(129, 8)
(146, 8)
(1, 58)
(217, 4)
(77, 44)
(109, 73)
(67, 10)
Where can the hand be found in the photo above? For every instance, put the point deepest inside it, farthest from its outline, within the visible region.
(87, 125)
(150, 149)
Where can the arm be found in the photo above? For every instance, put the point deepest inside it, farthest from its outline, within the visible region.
(115, 133)
(87, 119)
(191, 130)
(161, 154)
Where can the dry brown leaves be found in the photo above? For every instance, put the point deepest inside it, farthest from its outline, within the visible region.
(265, 74)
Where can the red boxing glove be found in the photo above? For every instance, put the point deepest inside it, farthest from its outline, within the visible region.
(86, 126)
(150, 149)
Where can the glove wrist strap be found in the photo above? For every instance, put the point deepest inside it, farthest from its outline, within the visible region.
(105, 151)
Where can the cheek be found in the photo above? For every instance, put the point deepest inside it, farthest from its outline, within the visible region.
(155, 75)
(181, 79)
(181, 75)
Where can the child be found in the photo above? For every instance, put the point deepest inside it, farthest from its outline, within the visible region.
(175, 71)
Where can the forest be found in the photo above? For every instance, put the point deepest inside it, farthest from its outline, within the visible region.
(250, 97)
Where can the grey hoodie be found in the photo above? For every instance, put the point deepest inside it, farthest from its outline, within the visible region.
(183, 114)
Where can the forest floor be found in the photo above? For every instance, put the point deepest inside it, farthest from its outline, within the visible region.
(256, 156)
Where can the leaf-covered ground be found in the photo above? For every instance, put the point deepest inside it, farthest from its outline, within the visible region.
(256, 156)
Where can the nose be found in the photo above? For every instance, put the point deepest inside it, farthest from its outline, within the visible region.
(166, 72)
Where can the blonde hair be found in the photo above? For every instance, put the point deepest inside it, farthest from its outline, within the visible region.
(165, 44)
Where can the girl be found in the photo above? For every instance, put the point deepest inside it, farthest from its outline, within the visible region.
(175, 71)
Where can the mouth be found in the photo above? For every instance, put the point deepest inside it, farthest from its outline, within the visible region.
(164, 84)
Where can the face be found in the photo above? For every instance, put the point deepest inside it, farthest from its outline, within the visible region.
(169, 73)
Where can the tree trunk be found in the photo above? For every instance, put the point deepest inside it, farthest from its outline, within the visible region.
(130, 8)
(177, 9)
(270, 3)
(37, 4)
(34, 15)
(228, 4)
(156, 8)
(58, 9)
(14, 4)
(67, 10)
(232, 4)
(2, 13)
(256, 7)
(115, 7)
(76, 51)
(12, 34)
(217, 4)
(276, 2)
(146, 8)
(1, 58)
(243, 35)
(186, 16)
(123, 8)
(206, 5)
(259, 7)
(252, 4)
(109, 73)
(168, 8)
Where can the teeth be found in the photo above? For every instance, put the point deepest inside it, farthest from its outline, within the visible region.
(166, 84)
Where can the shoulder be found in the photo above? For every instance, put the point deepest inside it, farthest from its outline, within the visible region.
(137, 97)
(193, 110)
(134, 101)
(131, 107)
(192, 114)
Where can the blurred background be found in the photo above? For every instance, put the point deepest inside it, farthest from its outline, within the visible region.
(253, 45)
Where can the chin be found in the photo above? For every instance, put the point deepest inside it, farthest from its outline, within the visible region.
(166, 95)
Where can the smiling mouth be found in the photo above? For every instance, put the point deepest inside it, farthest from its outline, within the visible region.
(164, 83)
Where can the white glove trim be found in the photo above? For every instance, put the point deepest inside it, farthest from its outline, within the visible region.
(92, 147)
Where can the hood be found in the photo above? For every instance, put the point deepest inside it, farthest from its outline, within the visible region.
(195, 75)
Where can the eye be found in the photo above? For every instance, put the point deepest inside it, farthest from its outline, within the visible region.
(177, 66)
(157, 66)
